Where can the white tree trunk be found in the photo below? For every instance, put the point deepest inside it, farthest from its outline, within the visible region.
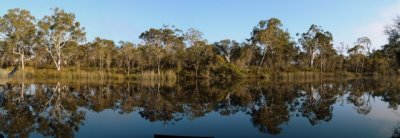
(59, 64)
(22, 62)
(227, 57)
(312, 59)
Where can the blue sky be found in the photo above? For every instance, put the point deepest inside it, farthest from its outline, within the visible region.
(220, 19)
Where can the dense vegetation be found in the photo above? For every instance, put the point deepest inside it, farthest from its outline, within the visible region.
(58, 41)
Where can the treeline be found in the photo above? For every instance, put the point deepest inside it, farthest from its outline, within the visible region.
(58, 41)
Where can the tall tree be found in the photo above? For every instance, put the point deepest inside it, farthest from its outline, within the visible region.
(19, 31)
(198, 56)
(58, 29)
(341, 50)
(73, 54)
(103, 52)
(356, 57)
(366, 43)
(359, 51)
(392, 49)
(163, 42)
(130, 55)
(273, 40)
(192, 36)
(315, 40)
(326, 50)
(244, 57)
(226, 48)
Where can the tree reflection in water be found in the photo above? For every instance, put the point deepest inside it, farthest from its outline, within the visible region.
(56, 109)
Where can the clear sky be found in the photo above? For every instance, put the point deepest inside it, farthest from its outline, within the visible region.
(220, 19)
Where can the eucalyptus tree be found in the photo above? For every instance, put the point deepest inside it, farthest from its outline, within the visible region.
(244, 57)
(153, 40)
(192, 36)
(380, 62)
(392, 49)
(341, 50)
(326, 51)
(356, 57)
(198, 56)
(74, 54)
(273, 41)
(174, 47)
(17, 27)
(316, 41)
(131, 56)
(2, 36)
(359, 51)
(366, 43)
(198, 53)
(58, 29)
(102, 52)
(3, 53)
(307, 40)
(226, 48)
(162, 43)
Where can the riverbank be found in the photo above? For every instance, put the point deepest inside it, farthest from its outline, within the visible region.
(92, 74)
(75, 74)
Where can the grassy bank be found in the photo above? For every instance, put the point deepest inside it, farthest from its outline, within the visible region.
(74, 74)
(89, 75)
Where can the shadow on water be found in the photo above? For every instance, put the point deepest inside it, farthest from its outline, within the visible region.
(55, 109)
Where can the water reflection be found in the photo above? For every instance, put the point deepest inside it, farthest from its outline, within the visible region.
(59, 109)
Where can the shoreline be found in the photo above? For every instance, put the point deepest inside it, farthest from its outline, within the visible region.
(170, 75)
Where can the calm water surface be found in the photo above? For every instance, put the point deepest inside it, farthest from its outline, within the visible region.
(354, 108)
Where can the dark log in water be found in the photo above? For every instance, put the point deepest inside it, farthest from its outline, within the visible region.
(12, 73)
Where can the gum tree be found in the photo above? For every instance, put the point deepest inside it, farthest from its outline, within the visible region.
(274, 42)
(58, 29)
(19, 33)
(317, 41)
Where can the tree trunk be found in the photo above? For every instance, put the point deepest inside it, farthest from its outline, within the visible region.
(228, 59)
(59, 64)
(322, 61)
(56, 63)
(129, 67)
(262, 59)
(362, 64)
(312, 60)
(261, 63)
(22, 62)
(158, 69)
(196, 71)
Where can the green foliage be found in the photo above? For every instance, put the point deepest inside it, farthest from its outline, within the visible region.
(392, 49)
(317, 44)
(275, 46)
(19, 31)
(226, 70)
(56, 31)
(168, 53)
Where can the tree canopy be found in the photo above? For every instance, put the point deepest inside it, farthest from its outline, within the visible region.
(59, 39)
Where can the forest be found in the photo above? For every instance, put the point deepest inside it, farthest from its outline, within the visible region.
(57, 43)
